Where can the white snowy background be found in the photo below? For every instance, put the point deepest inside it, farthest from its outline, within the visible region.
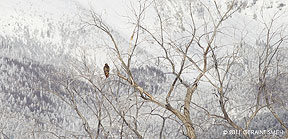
(41, 40)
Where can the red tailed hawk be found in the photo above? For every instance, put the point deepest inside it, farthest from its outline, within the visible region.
(106, 70)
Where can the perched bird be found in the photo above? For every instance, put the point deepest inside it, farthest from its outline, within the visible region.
(106, 70)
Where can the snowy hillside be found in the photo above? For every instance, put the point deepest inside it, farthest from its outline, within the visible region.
(178, 68)
(49, 31)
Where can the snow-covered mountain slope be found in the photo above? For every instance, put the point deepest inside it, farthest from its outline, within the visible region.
(25, 101)
(50, 31)
(29, 98)
(40, 37)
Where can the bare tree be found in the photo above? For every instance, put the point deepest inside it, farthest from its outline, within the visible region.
(196, 62)
(169, 47)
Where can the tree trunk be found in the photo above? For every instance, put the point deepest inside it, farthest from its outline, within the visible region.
(190, 131)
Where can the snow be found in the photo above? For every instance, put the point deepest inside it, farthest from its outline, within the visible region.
(40, 36)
